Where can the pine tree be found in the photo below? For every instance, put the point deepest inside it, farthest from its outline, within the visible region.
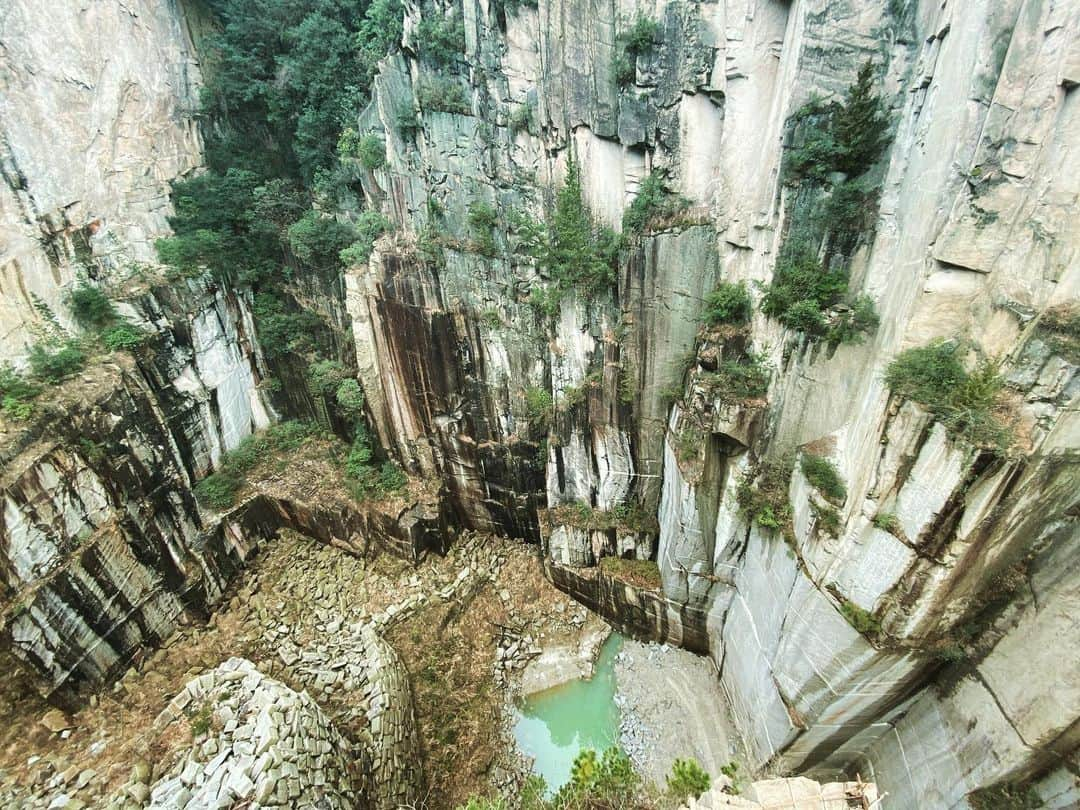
(860, 126)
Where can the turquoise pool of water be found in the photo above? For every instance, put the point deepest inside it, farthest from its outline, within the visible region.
(556, 724)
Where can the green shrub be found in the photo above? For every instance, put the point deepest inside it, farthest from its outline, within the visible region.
(853, 324)
(824, 477)
(350, 399)
(123, 337)
(55, 363)
(369, 149)
(736, 381)
(539, 405)
(887, 522)
(14, 408)
(933, 376)
(14, 384)
(652, 204)
(441, 39)
(324, 377)
(607, 781)
(370, 225)
(862, 620)
(443, 94)
(633, 42)
(318, 240)
(763, 498)
(801, 289)
(407, 122)
(482, 220)
(282, 331)
(522, 117)
(1059, 328)
(90, 307)
(687, 780)
(828, 519)
(728, 303)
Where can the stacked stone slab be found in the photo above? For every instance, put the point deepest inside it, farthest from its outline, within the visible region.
(268, 746)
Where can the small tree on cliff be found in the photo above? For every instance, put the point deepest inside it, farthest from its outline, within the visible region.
(579, 253)
(860, 126)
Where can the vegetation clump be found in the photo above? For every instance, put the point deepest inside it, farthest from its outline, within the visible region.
(809, 290)
(443, 94)
(687, 780)
(606, 782)
(763, 498)
(637, 40)
(365, 477)
(54, 362)
(573, 250)
(964, 402)
(1005, 797)
(736, 381)
(369, 149)
(887, 522)
(862, 620)
(824, 477)
(626, 516)
(1059, 328)
(16, 394)
(639, 573)
(482, 221)
(847, 137)
(219, 489)
(441, 38)
(539, 405)
(729, 303)
(653, 204)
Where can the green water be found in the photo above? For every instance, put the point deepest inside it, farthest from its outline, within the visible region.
(556, 724)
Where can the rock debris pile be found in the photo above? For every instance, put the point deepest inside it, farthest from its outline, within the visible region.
(265, 745)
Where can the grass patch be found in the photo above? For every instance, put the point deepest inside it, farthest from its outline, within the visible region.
(1059, 328)
(862, 620)
(887, 522)
(964, 402)
(824, 477)
(639, 573)
(626, 516)
(219, 489)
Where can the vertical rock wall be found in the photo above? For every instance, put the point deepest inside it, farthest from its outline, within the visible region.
(971, 242)
(96, 110)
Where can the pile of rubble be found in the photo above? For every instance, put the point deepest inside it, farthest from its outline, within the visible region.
(258, 743)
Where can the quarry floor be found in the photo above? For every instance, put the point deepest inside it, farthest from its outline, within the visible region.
(465, 657)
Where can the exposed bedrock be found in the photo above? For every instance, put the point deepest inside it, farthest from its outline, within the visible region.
(591, 429)
(971, 242)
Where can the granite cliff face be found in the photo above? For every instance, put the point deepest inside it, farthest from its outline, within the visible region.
(963, 558)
